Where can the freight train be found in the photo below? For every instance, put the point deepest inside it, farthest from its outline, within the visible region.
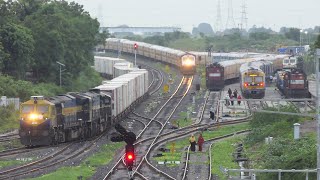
(253, 76)
(81, 115)
(185, 61)
(220, 73)
(293, 83)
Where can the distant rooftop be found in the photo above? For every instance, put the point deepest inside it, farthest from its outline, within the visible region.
(140, 30)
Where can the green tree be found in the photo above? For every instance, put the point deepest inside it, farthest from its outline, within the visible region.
(63, 32)
(18, 46)
(101, 38)
(293, 33)
(317, 44)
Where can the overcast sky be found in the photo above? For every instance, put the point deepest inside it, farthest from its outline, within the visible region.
(189, 13)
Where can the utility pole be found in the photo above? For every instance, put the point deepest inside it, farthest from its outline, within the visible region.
(60, 64)
(317, 113)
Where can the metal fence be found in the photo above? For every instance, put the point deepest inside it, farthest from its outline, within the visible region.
(4, 101)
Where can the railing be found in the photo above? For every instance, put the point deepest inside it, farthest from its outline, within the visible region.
(4, 101)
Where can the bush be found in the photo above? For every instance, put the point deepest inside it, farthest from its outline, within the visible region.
(263, 125)
(9, 118)
(290, 154)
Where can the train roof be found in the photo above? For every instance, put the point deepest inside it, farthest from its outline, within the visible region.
(236, 61)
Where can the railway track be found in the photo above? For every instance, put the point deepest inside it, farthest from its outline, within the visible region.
(144, 139)
(210, 142)
(68, 152)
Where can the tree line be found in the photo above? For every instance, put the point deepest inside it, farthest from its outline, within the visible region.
(35, 34)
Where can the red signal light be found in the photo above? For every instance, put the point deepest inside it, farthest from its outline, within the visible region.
(135, 46)
(130, 156)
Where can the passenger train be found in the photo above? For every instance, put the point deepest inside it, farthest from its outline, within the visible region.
(81, 115)
(185, 61)
(253, 76)
(220, 73)
(293, 62)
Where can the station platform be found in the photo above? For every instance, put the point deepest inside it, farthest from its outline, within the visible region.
(232, 112)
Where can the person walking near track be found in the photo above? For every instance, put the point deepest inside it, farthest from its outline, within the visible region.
(200, 142)
(193, 143)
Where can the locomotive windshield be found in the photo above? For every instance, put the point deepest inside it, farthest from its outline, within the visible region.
(258, 79)
(42, 109)
(248, 79)
(27, 108)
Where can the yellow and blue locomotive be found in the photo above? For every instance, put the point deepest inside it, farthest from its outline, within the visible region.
(45, 121)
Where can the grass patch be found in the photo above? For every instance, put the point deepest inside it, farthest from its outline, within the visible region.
(179, 145)
(183, 121)
(222, 155)
(6, 163)
(88, 166)
(9, 119)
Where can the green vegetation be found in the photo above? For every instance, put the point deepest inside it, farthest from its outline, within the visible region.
(34, 35)
(179, 145)
(9, 118)
(6, 163)
(283, 152)
(222, 155)
(183, 121)
(88, 166)
(234, 41)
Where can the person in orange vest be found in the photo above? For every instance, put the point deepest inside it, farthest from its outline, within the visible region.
(193, 143)
(200, 142)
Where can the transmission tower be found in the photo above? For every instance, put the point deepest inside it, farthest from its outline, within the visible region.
(219, 19)
(244, 19)
(230, 21)
(100, 15)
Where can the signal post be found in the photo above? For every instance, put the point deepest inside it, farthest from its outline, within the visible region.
(135, 46)
(129, 138)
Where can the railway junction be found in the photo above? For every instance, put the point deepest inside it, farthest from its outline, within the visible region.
(167, 116)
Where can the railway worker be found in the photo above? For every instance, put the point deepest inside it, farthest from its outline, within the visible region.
(229, 92)
(193, 143)
(227, 100)
(239, 99)
(200, 142)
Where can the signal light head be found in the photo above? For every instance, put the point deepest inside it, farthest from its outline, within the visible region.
(130, 156)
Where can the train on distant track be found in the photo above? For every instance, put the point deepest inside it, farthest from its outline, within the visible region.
(293, 83)
(185, 61)
(253, 77)
(80, 115)
(293, 62)
(220, 73)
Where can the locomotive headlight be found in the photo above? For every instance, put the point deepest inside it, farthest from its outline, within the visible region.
(188, 62)
(35, 116)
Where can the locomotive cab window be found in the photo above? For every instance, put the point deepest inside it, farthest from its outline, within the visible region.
(27, 108)
(248, 79)
(258, 79)
(43, 109)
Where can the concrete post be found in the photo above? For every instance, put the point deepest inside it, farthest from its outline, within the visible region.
(296, 131)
